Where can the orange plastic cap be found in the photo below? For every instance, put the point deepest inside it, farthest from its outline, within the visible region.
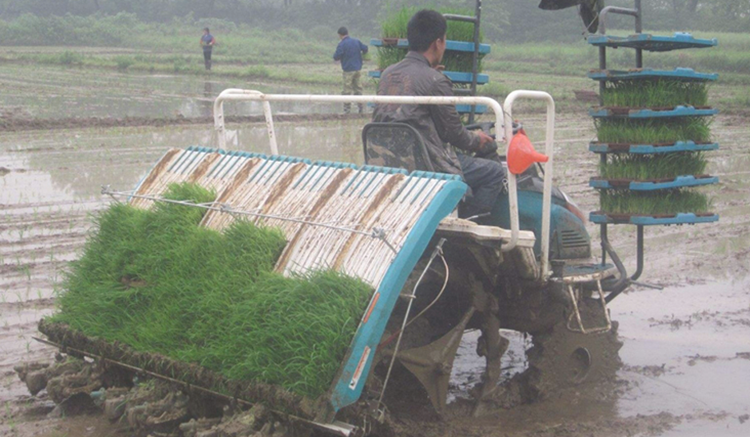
(521, 153)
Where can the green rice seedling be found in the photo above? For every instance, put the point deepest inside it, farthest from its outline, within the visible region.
(653, 131)
(649, 167)
(389, 56)
(394, 26)
(655, 93)
(158, 282)
(660, 202)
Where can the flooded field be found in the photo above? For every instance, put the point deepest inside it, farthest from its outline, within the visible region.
(63, 92)
(686, 348)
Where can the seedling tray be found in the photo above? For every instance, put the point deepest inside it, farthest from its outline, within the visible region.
(600, 217)
(454, 76)
(652, 185)
(680, 146)
(652, 43)
(686, 74)
(677, 111)
(455, 46)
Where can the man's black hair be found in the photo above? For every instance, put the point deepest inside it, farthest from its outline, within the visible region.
(425, 27)
(206, 29)
(343, 31)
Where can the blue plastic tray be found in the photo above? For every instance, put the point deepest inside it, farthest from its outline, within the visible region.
(465, 109)
(652, 43)
(678, 182)
(456, 46)
(678, 111)
(454, 76)
(645, 220)
(686, 74)
(680, 146)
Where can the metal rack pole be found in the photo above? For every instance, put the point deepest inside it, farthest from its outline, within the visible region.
(475, 56)
(638, 29)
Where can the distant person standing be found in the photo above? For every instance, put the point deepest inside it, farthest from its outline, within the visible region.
(349, 52)
(207, 42)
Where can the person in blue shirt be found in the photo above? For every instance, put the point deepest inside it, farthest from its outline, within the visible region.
(349, 52)
(207, 42)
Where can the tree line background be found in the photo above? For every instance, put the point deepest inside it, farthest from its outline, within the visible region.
(503, 20)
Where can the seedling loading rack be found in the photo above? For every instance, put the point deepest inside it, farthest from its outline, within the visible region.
(641, 42)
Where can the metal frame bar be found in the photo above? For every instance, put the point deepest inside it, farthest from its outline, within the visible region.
(235, 94)
(636, 12)
(577, 313)
(377, 233)
(544, 271)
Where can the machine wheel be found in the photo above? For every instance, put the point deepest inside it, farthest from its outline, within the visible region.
(561, 358)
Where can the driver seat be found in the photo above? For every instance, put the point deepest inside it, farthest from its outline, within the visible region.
(396, 145)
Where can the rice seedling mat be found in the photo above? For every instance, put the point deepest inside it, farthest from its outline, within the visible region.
(640, 74)
(679, 146)
(652, 43)
(650, 131)
(651, 185)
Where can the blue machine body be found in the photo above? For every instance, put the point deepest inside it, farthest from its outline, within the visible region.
(568, 236)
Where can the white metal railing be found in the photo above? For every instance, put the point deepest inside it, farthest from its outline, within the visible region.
(235, 94)
(549, 151)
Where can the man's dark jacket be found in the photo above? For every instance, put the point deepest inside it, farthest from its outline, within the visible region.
(438, 124)
(349, 52)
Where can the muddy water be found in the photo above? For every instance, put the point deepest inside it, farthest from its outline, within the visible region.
(697, 328)
(687, 353)
(59, 92)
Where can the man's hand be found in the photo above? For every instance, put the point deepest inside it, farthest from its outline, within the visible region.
(486, 143)
(487, 146)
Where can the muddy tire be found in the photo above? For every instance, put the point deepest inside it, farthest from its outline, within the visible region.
(561, 359)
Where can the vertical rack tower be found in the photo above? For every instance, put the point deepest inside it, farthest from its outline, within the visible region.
(661, 188)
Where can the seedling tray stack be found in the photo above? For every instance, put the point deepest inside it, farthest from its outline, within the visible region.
(653, 129)
(458, 58)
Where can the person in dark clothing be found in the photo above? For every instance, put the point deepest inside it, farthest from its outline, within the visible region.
(349, 52)
(439, 125)
(207, 43)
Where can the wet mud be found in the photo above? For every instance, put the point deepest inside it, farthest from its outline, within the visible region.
(11, 122)
(685, 349)
(190, 374)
